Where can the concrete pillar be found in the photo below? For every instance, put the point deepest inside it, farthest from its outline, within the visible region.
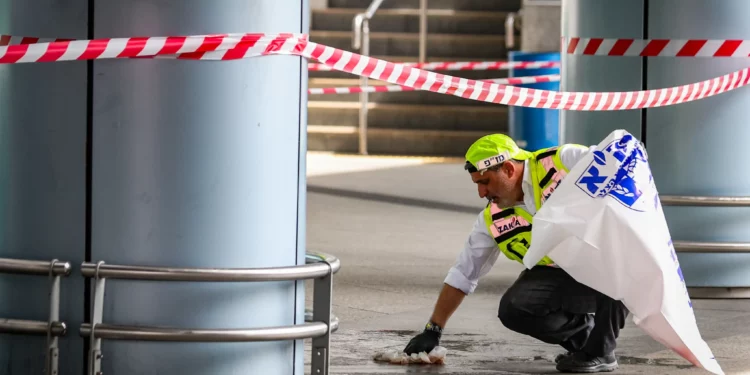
(602, 19)
(200, 164)
(42, 181)
(318, 4)
(693, 148)
(540, 25)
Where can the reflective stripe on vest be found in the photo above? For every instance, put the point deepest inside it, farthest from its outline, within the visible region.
(511, 227)
(549, 172)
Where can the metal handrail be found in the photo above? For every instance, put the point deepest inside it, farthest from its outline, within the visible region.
(32, 327)
(319, 322)
(510, 30)
(141, 333)
(710, 247)
(422, 31)
(361, 42)
(33, 267)
(307, 271)
(694, 200)
(707, 201)
(360, 18)
(53, 328)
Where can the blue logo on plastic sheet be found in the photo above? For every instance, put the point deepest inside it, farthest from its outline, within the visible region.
(679, 272)
(621, 171)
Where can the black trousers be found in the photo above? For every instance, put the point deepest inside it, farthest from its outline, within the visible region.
(548, 304)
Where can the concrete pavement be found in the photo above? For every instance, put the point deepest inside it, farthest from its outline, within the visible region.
(397, 224)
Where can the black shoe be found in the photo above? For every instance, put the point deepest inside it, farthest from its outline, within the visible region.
(562, 356)
(584, 363)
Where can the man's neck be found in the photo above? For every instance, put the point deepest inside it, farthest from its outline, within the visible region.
(519, 183)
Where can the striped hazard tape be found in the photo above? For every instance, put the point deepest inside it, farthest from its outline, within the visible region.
(7, 40)
(657, 47)
(238, 46)
(465, 65)
(397, 88)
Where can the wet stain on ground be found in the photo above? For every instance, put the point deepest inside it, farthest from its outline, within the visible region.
(400, 333)
(467, 346)
(625, 360)
(528, 359)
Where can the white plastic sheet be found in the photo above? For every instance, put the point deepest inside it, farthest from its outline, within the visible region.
(604, 225)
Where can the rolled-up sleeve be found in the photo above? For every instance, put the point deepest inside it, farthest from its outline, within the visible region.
(476, 259)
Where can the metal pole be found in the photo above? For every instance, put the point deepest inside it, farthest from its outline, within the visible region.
(54, 316)
(322, 298)
(422, 31)
(703, 201)
(363, 97)
(510, 29)
(95, 343)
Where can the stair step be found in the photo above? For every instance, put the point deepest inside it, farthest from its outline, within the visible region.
(396, 43)
(491, 118)
(405, 97)
(389, 12)
(391, 141)
(439, 21)
(484, 5)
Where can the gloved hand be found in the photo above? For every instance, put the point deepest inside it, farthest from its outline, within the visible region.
(425, 341)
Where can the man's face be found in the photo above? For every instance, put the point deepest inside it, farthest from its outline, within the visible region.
(497, 186)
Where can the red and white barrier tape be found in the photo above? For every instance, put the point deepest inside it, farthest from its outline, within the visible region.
(465, 65)
(238, 46)
(7, 40)
(397, 88)
(657, 47)
(197, 47)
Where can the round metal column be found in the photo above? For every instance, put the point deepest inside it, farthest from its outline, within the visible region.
(200, 164)
(693, 147)
(42, 181)
(602, 19)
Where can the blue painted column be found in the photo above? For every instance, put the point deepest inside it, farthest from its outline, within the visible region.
(42, 181)
(534, 128)
(200, 164)
(694, 148)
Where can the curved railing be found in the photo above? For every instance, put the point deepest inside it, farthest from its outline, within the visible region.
(319, 324)
(53, 327)
(711, 247)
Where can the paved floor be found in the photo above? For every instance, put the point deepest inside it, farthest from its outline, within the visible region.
(397, 226)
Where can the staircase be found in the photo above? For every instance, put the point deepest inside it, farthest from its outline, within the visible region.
(416, 122)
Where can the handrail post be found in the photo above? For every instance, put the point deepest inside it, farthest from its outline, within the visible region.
(95, 344)
(318, 266)
(363, 96)
(361, 26)
(322, 299)
(422, 31)
(357, 28)
(510, 30)
(54, 316)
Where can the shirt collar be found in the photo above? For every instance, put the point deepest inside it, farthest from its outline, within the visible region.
(527, 187)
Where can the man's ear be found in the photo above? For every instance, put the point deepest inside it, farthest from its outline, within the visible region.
(509, 168)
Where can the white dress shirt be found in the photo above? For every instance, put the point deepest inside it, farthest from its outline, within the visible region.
(480, 250)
